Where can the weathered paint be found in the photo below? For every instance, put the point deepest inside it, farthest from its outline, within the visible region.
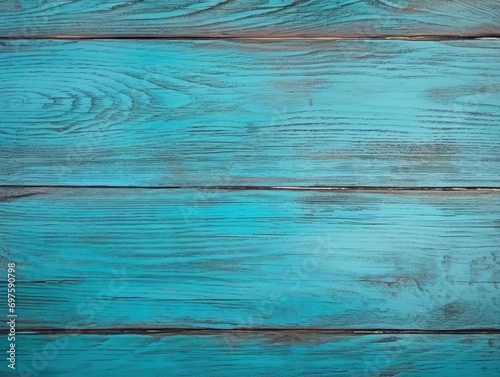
(251, 18)
(215, 113)
(105, 258)
(258, 355)
(137, 279)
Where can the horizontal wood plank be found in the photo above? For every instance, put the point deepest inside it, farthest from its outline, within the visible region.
(274, 18)
(287, 355)
(103, 258)
(215, 113)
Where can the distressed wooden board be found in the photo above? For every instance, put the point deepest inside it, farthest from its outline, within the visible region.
(216, 18)
(104, 258)
(257, 355)
(171, 113)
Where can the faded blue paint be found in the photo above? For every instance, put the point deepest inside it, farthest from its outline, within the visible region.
(253, 355)
(211, 113)
(187, 258)
(250, 18)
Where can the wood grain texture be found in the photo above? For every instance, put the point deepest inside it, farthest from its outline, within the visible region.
(271, 18)
(223, 259)
(254, 355)
(212, 113)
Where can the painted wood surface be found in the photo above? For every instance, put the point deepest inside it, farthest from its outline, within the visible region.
(271, 18)
(251, 282)
(256, 355)
(105, 258)
(215, 113)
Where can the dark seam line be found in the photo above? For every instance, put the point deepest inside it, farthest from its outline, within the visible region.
(249, 331)
(262, 188)
(410, 37)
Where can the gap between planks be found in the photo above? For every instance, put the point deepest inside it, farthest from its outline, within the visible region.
(249, 331)
(416, 37)
(265, 188)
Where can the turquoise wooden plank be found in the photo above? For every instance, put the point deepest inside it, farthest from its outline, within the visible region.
(216, 18)
(172, 113)
(104, 258)
(256, 355)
